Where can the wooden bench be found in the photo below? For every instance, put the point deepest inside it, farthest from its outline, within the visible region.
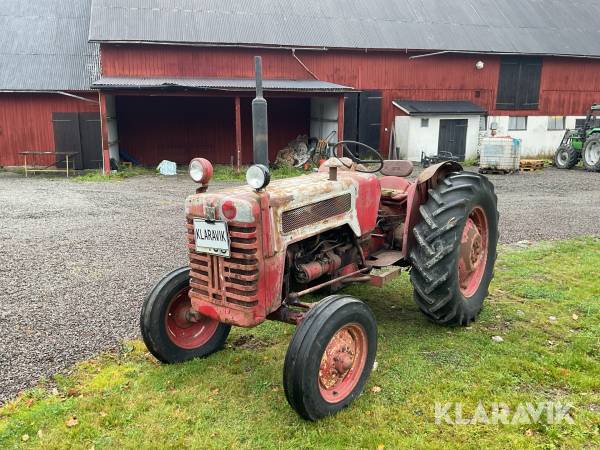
(68, 158)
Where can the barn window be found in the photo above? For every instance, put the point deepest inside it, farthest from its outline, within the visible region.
(519, 83)
(556, 123)
(424, 123)
(517, 123)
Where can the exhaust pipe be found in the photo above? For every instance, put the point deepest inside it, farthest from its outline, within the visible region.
(259, 120)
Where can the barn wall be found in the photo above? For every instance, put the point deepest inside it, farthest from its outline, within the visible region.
(26, 122)
(152, 128)
(568, 86)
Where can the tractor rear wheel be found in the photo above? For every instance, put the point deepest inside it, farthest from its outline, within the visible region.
(455, 249)
(591, 153)
(170, 329)
(330, 357)
(566, 157)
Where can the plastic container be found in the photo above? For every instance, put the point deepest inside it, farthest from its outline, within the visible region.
(500, 153)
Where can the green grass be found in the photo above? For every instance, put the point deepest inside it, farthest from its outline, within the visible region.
(229, 173)
(221, 173)
(121, 174)
(234, 398)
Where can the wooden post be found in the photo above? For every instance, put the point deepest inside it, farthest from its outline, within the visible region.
(340, 132)
(104, 133)
(238, 134)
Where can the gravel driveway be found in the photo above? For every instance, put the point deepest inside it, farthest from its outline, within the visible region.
(76, 259)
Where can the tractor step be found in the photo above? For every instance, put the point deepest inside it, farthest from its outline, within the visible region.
(384, 258)
(383, 276)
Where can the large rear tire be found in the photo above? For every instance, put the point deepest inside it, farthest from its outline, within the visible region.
(169, 331)
(455, 249)
(330, 357)
(590, 154)
(566, 157)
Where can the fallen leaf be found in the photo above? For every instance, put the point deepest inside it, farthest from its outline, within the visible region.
(497, 339)
(103, 414)
(40, 433)
(375, 365)
(29, 402)
(575, 316)
(529, 432)
(380, 447)
(25, 437)
(376, 389)
(71, 422)
(215, 391)
(552, 318)
(54, 391)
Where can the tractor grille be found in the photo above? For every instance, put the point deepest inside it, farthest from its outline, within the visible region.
(222, 280)
(306, 215)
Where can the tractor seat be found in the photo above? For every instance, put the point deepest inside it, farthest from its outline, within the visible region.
(393, 188)
(397, 168)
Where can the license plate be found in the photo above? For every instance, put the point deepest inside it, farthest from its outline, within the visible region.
(211, 237)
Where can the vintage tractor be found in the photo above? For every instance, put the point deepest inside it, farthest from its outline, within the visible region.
(255, 252)
(581, 143)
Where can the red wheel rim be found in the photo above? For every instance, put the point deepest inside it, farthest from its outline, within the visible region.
(473, 252)
(187, 330)
(343, 362)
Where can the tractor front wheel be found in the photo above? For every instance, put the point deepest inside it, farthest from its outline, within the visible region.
(171, 330)
(455, 249)
(591, 153)
(330, 357)
(566, 157)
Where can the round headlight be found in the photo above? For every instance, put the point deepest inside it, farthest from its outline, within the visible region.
(201, 170)
(258, 176)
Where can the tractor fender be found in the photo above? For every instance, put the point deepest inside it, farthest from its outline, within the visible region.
(418, 194)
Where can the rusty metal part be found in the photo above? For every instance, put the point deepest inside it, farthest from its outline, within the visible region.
(305, 215)
(380, 279)
(330, 282)
(438, 171)
(343, 362)
(286, 315)
(316, 269)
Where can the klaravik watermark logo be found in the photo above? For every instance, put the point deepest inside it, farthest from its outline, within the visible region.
(455, 413)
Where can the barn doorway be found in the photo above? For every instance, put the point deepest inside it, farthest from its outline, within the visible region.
(362, 117)
(453, 137)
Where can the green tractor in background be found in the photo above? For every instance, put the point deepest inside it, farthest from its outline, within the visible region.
(581, 143)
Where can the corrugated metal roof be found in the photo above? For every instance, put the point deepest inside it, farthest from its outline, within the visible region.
(421, 107)
(507, 26)
(231, 84)
(44, 45)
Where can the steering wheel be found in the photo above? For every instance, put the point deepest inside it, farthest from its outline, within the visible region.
(344, 144)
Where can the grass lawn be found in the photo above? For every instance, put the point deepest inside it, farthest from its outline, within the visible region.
(544, 303)
(221, 173)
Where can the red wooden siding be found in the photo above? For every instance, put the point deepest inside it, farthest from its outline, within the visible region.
(568, 86)
(26, 122)
(183, 127)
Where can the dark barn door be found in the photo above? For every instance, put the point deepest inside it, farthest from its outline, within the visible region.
(362, 117)
(67, 137)
(453, 137)
(79, 133)
(91, 140)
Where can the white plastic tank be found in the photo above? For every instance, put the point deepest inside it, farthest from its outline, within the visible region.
(500, 153)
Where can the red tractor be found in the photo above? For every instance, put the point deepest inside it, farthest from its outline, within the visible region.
(256, 250)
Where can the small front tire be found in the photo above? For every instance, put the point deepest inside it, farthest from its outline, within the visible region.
(566, 157)
(169, 329)
(330, 357)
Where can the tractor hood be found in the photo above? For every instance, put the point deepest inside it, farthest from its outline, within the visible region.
(298, 206)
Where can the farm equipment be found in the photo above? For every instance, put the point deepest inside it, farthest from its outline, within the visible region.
(442, 156)
(256, 251)
(581, 143)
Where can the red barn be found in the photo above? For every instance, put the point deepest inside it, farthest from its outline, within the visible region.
(46, 70)
(176, 76)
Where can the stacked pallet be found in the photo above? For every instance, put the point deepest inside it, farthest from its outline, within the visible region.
(529, 165)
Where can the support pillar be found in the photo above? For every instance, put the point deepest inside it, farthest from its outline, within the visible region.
(104, 132)
(238, 134)
(340, 131)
